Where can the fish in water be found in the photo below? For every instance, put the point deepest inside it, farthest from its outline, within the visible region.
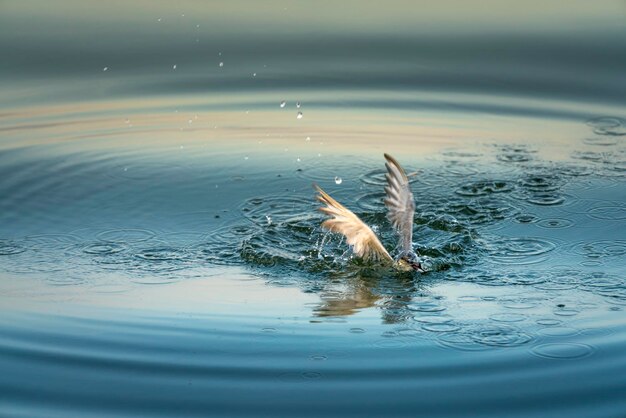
(364, 242)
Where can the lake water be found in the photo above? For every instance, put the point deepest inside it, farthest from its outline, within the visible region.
(160, 247)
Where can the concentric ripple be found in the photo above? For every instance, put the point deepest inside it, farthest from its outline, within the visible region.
(518, 250)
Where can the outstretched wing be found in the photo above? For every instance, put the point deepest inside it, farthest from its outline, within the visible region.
(364, 242)
(399, 202)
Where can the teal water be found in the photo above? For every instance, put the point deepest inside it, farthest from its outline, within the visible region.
(160, 248)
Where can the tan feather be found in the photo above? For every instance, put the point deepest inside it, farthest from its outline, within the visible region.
(400, 202)
(359, 236)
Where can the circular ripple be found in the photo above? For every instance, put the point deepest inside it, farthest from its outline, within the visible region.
(508, 317)
(546, 199)
(161, 254)
(426, 307)
(499, 336)
(554, 331)
(613, 213)
(373, 202)
(562, 350)
(484, 187)
(104, 248)
(549, 322)
(519, 250)
(277, 209)
(10, 248)
(601, 141)
(555, 223)
(433, 319)
(601, 249)
(541, 183)
(445, 327)
(513, 157)
(126, 235)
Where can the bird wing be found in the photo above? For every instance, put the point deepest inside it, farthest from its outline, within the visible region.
(400, 203)
(360, 237)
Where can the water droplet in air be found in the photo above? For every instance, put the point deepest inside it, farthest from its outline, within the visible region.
(298, 159)
(308, 138)
(221, 64)
(283, 103)
(298, 105)
(338, 180)
(105, 69)
(159, 19)
(299, 115)
(253, 74)
(245, 158)
(174, 66)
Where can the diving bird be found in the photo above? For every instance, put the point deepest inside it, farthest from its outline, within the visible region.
(364, 242)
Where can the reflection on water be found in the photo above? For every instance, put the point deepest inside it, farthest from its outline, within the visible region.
(160, 240)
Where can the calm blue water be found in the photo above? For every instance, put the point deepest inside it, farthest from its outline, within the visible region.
(160, 248)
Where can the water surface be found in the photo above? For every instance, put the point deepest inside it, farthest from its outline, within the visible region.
(160, 248)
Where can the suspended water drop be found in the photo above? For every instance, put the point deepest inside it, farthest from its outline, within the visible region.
(338, 180)
(283, 103)
(298, 105)
(105, 69)
(174, 66)
(299, 115)
(221, 64)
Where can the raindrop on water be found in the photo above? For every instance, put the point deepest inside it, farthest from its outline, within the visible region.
(338, 180)
(299, 115)
(283, 103)
(298, 105)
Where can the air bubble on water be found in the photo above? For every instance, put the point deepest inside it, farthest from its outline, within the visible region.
(221, 64)
(283, 103)
(298, 105)
(338, 180)
(105, 69)
(299, 115)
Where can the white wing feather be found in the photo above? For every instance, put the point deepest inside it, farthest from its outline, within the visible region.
(400, 203)
(359, 236)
